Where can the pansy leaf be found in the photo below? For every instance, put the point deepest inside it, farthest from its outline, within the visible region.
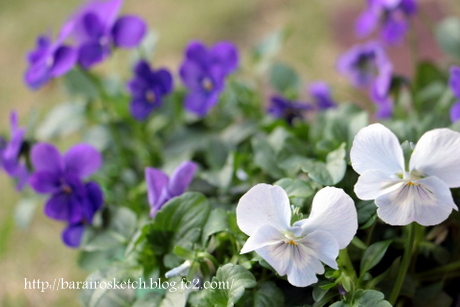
(296, 187)
(365, 298)
(268, 295)
(332, 171)
(264, 157)
(217, 222)
(79, 84)
(448, 36)
(283, 78)
(373, 255)
(61, 121)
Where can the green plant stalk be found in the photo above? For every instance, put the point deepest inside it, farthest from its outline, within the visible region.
(446, 269)
(344, 261)
(404, 264)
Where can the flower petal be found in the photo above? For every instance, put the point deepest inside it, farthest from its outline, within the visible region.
(181, 178)
(157, 182)
(332, 211)
(197, 52)
(82, 160)
(45, 182)
(128, 31)
(376, 147)
(164, 81)
(373, 183)
(200, 103)
(393, 30)
(437, 154)
(64, 207)
(428, 202)
(454, 81)
(91, 53)
(141, 109)
(64, 59)
(45, 157)
(73, 234)
(263, 205)
(224, 54)
(366, 23)
(455, 112)
(94, 201)
(263, 236)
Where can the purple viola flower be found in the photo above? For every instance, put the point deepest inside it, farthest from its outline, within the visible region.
(283, 108)
(203, 72)
(392, 14)
(10, 153)
(147, 89)
(62, 178)
(161, 188)
(368, 66)
(49, 60)
(454, 84)
(96, 29)
(321, 94)
(73, 233)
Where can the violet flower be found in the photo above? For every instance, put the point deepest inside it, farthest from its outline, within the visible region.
(62, 177)
(454, 83)
(368, 66)
(49, 60)
(283, 108)
(322, 95)
(161, 188)
(203, 72)
(148, 88)
(10, 153)
(96, 28)
(392, 14)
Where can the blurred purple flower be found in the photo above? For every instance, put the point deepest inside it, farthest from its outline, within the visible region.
(392, 14)
(322, 95)
(49, 60)
(454, 83)
(368, 66)
(61, 176)
(283, 108)
(96, 28)
(10, 154)
(148, 88)
(203, 72)
(161, 188)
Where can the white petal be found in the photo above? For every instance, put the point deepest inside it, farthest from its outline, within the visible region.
(263, 204)
(264, 235)
(375, 147)
(332, 211)
(323, 246)
(437, 154)
(371, 184)
(428, 202)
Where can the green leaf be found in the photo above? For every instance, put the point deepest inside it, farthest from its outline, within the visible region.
(365, 298)
(233, 280)
(179, 222)
(217, 222)
(332, 171)
(448, 35)
(264, 157)
(366, 209)
(284, 79)
(373, 255)
(296, 187)
(270, 46)
(61, 121)
(268, 295)
(77, 84)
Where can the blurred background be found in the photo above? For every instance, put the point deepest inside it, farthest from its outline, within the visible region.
(319, 31)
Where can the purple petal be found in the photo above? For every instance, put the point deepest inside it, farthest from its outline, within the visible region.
(197, 52)
(93, 26)
(225, 54)
(91, 53)
(321, 92)
(64, 60)
(45, 182)
(141, 109)
(382, 83)
(64, 207)
(157, 183)
(43, 45)
(164, 81)
(200, 102)
(82, 160)
(191, 74)
(95, 201)
(409, 6)
(455, 112)
(454, 80)
(128, 31)
(181, 178)
(366, 23)
(45, 157)
(22, 177)
(37, 75)
(73, 234)
(393, 31)
(142, 69)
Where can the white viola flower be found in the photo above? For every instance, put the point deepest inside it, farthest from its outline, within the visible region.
(418, 194)
(264, 214)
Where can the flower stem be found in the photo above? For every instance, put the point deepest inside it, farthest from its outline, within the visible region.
(405, 263)
(443, 270)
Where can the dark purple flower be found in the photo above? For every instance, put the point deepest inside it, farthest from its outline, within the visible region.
(10, 153)
(49, 60)
(96, 29)
(161, 188)
(454, 83)
(147, 89)
(61, 177)
(369, 67)
(282, 108)
(392, 14)
(322, 95)
(203, 72)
